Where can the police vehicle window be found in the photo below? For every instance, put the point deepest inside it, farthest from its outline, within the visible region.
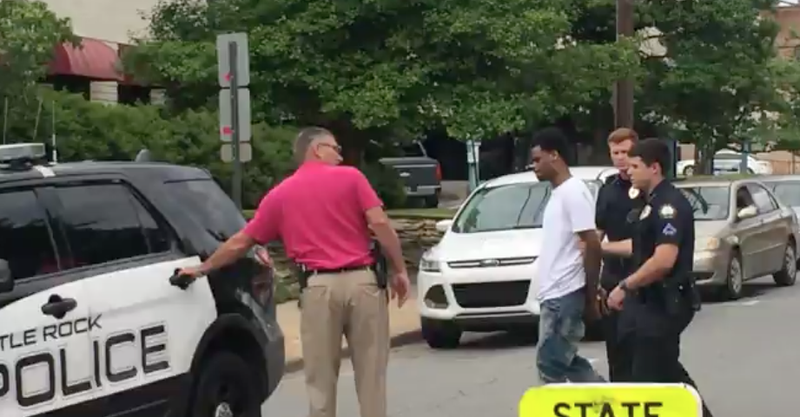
(761, 199)
(102, 224)
(210, 207)
(506, 207)
(788, 193)
(27, 242)
(157, 238)
(708, 202)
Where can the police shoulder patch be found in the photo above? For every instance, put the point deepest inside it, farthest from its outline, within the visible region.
(645, 212)
(666, 211)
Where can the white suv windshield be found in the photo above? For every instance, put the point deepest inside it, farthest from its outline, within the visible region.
(506, 207)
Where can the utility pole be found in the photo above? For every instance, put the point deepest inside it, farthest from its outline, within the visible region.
(623, 90)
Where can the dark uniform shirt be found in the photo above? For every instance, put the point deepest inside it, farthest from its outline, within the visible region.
(667, 218)
(617, 213)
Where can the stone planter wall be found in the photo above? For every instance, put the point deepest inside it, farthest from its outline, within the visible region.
(416, 236)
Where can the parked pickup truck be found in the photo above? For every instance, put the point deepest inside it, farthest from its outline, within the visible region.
(420, 173)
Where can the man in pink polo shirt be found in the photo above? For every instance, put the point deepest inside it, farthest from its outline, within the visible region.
(323, 214)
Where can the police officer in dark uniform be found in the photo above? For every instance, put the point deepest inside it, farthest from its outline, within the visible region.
(659, 299)
(618, 206)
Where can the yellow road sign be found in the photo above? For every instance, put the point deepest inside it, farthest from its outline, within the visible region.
(611, 400)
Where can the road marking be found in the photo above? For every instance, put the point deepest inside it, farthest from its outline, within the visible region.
(749, 303)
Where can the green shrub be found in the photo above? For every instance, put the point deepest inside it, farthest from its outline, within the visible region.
(89, 130)
(386, 183)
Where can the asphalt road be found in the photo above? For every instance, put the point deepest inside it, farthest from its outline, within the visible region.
(744, 355)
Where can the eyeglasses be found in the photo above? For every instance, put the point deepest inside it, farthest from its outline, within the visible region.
(336, 148)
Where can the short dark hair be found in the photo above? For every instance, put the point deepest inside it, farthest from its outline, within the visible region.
(652, 151)
(552, 139)
(306, 136)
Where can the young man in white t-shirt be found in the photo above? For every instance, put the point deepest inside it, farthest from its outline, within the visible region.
(568, 276)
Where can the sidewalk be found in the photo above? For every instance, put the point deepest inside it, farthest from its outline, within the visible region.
(403, 328)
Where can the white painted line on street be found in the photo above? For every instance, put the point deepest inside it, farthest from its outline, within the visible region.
(749, 303)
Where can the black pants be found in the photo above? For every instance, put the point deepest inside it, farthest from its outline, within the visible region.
(654, 357)
(615, 352)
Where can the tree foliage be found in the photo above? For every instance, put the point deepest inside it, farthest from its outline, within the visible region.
(388, 67)
(88, 130)
(715, 83)
(29, 33)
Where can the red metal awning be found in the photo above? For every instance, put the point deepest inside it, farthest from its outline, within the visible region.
(92, 59)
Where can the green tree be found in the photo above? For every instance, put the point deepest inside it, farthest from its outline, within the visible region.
(29, 33)
(715, 83)
(786, 132)
(715, 80)
(381, 68)
(94, 131)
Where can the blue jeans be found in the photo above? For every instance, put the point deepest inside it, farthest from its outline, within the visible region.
(560, 329)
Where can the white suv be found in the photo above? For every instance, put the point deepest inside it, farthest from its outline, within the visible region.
(482, 274)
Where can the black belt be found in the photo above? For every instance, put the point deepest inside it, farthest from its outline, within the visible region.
(337, 270)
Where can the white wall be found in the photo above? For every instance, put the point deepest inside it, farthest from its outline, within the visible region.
(109, 20)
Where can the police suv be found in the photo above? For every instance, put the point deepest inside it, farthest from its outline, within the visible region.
(93, 321)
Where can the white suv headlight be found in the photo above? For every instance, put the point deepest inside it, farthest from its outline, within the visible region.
(429, 265)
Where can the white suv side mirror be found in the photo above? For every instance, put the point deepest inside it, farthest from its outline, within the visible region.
(443, 225)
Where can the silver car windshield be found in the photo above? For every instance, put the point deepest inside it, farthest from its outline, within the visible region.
(787, 192)
(507, 207)
(709, 203)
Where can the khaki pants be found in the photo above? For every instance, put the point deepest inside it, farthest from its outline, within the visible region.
(349, 304)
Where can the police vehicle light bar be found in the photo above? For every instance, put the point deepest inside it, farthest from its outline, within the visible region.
(21, 152)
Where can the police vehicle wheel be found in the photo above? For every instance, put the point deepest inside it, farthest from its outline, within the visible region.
(440, 335)
(735, 282)
(688, 171)
(226, 388)
(788, 274)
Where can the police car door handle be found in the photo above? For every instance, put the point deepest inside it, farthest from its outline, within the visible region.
(59, 307)
(180, 280)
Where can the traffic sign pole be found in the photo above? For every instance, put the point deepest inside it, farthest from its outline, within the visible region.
(233, 60)
(236, 188)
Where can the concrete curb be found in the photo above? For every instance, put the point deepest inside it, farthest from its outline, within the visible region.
(401, 339)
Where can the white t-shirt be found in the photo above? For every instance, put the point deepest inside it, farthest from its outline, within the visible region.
(570, 210)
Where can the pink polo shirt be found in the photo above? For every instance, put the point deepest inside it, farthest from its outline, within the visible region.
(319, 215)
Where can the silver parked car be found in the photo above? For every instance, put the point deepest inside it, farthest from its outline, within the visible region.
(786, 188)
(742, 232)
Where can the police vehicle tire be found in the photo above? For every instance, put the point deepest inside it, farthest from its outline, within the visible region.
(788, 274)
(440, 335)
(226, 381)
(734, 284)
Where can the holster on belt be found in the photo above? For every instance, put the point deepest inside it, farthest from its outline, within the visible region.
(681, 295)
(381, 265)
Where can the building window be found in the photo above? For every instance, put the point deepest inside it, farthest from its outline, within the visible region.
(71, 83)
(133, 94)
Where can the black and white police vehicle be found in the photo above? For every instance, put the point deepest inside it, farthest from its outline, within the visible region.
(92, 319)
